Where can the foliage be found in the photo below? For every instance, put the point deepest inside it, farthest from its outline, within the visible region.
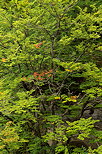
(50, 74)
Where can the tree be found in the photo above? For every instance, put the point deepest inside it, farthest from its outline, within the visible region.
(50, 74)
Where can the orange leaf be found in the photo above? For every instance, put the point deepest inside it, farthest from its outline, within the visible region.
(38, 45)
(35, 74)
(49, 75)
(3, 60)
(73, 97)
(50, 71)
(42, 74)
(39, 78)
(24, 79)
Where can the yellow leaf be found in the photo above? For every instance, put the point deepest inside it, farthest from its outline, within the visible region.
(2, 146)
(68, 70)
(3, 60)
(1, 93)
(73, 97)
(57, 98)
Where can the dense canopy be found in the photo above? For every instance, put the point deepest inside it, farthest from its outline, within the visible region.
(50, 76)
